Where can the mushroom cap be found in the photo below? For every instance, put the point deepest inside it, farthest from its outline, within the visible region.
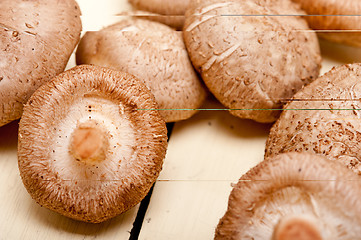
(308, 191)
(251, 62)
(343, 27)
(154, 53)
(36, 41)
(91, 191)
(173, 21)
(163, 7)
(323, 118)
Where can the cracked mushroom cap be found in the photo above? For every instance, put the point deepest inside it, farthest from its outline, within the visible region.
(36, 41)
(153, 53)
(343, 27)
(172, 11)
(323, 118)
(294, 196)
(251, 62)
(85, 150)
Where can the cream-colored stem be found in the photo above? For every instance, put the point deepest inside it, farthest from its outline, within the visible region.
(89, 143)
(296, 228)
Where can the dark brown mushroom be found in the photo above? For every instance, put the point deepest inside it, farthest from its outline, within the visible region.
(86, 150)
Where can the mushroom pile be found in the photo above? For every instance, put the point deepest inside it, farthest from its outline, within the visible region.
(85, 149)
(36, 41)
(93, 139)
(294, 196)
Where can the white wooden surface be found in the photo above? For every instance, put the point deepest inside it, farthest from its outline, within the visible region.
(206, 154)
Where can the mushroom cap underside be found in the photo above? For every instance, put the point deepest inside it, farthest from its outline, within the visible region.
(94, 183)
(315, 196)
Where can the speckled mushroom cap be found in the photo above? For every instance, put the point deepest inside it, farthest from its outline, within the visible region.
(251, 62)
(294, 195)
(344, 27)
(36, 41)
(155, 54)
(323, 118)
(85, 150)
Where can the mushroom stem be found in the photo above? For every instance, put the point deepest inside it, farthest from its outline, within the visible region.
(296, 228)
(89, 143)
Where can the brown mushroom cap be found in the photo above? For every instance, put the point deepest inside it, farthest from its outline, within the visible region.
(163, 7)
(343, 27)
(37, 39)
(294, 194)
(251, 62)
(170, 13)
(153, 53)
(174, 21)
(323, 118)
(85, 150)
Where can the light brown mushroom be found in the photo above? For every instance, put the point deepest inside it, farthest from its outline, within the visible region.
(172, 11)
(86, 150)
(340, 21)
(173, 21)
(251, 63)
(323, 118)
(294, 196)
(154, 53)
(36, 41)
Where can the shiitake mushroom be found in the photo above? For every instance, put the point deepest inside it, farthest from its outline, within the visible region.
(250, 58)
(36, 41)
(168, 12)
(323, 118)
(294, 196)
(155, 54)
(88, 148)
(337, 21)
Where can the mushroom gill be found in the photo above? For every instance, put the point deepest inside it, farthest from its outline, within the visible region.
(294, 196)
(86, 150)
